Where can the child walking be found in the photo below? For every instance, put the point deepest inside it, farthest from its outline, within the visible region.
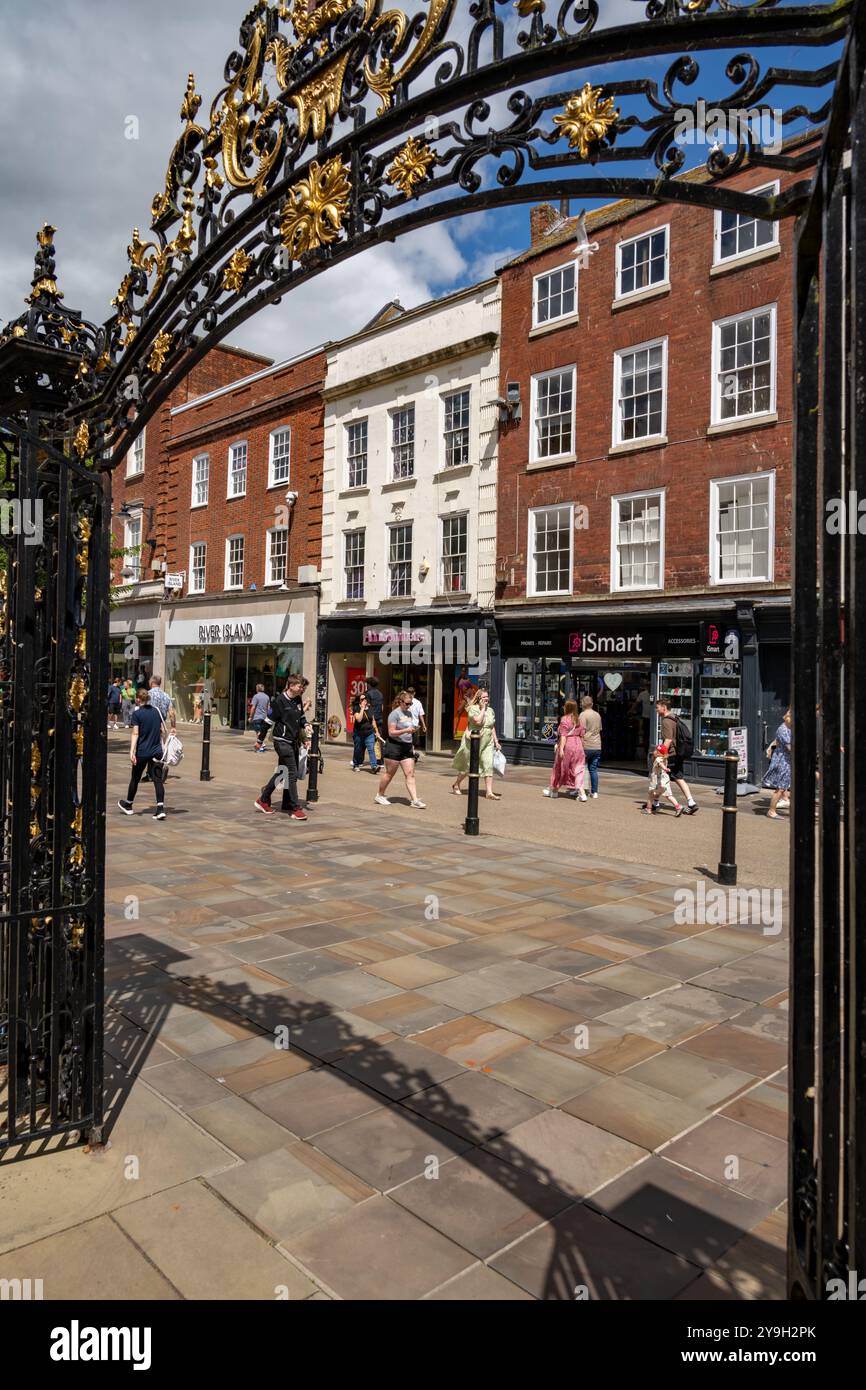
(660, 784)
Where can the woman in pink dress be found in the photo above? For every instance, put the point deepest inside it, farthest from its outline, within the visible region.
(568, 765)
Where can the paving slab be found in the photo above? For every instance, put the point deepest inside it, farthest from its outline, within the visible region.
(289, 1191)
(479, 1285)
(389, 1147)
(398, 1069)
(93, 1261)
(474, 1106)
(316, 1101)
(643, 1115)
(731, 1153)
(243, 1129)
(571, 1155)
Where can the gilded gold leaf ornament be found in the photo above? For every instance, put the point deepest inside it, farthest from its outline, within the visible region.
(319, 100)
(587, 118)
(235, 272)
(76, 857)
(384, 79)
(46, 236)
(185, 239)
(525, 8)
(307, 23)
(81, 644)
(81, 443)
(35, 759)
(159, 352)
(191, 101)
(77, 931)
(213, 178)
(78, 741)
(316, 206)
(411, 165)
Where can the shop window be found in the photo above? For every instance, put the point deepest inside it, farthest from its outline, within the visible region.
(642, 263)
(200, 480)
(277, 558)
(640, 387)
(456, 429)
(400, 561)
(554, 295)
(235, 562)
(551, 533)
(744, 366)
(454, 550)
(719, 706)
(535, 692)
(197, 567)
(355, 547)
(637, 559)
(237, 470)
(742, 528)
(280, 455)
(135, 457)
(403, 442)
(552, 435)
(356, 453)
(739, 233)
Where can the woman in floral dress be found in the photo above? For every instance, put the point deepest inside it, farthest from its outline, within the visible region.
(778, 774)
(479, 716)
(570, 760)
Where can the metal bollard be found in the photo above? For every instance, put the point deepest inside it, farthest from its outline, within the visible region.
(313, 765)
(204, 775)
(728, 861)
(471, 825)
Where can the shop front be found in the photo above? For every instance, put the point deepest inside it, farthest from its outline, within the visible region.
(133, 637)
(443, 663)
(694, 664)
(215, 658)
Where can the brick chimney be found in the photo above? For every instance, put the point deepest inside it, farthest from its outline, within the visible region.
(541, 219)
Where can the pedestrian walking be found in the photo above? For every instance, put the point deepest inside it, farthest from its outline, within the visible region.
(570, 760)
(398, 752)
(289, 727)
(672, 733)
(127, 701)
(145, 754)
(419, 724)
(590, 722)
(162, 703)
(778, 775)
(259, 706)
(365, 732)
(479, 716)
(376, 701)
(115, 702)
(660, 783)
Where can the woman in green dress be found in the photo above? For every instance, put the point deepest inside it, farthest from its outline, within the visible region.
(480, 716)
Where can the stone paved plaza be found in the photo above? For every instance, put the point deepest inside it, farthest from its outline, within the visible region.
(508, 1072)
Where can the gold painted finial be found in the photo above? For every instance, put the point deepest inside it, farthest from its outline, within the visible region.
(587, 118)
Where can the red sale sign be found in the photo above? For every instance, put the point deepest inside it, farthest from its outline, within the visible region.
(356, 684)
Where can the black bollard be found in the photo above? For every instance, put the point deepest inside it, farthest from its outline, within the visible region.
(728, 861)
(313, 765)
(204, 775)
(471, 825)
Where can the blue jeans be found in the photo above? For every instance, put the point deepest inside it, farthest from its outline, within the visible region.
(593, 758)
(359, 743)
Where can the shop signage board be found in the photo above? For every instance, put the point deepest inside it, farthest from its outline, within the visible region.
(738, 742)
(602, 644)
(223, 630)
(719, 641)
(379, 636)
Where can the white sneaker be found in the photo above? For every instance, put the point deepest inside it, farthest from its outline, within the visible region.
(420, 805)
(548, 792)
(581, 795)
(783, 805)
(381, 800)
(595, 796)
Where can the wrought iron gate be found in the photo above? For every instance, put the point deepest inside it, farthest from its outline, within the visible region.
(827, 1239)
(53, 671)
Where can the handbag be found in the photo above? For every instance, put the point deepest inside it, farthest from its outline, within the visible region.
(499, 763)
(302, 762)
(172, 749)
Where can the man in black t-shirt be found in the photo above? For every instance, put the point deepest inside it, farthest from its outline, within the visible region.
(289, 721)
(145, 754)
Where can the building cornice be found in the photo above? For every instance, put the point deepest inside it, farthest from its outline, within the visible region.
(480, 343)
(207, 429)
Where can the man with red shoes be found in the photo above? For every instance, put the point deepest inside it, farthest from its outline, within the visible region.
(287, 715)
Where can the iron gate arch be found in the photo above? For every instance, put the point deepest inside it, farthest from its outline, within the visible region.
(382, 122)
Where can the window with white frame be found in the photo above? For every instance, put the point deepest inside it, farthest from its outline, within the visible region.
(454, 554)
(277, 555)
(744, 365)
(200, 480)
(197, 567)
(637, 549)
(355, 544)
(403, 441)
(739, 233)
(237, 470)
(356, 453)
(554, 295)
(135, 457)
(553, 414)
(400, 560)
(642, 263)
(639, 385)
(456, 429)
(551, 538)
(235, 562)
(280, 454)
(742, 530)
(132, 547)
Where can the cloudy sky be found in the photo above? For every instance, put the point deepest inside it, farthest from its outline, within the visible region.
(74, 71)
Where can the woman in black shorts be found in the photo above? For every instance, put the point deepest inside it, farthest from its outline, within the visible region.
(398, 751)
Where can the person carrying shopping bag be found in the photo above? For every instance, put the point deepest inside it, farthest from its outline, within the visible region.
(480, 717)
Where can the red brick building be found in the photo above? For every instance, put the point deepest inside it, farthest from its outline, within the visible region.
(645, 480)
